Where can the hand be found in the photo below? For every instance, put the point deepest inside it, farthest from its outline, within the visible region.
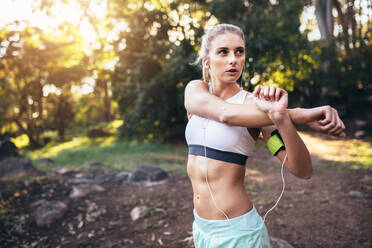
(327, 120)
(271, 100)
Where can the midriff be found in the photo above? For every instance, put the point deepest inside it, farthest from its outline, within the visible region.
(226, 181)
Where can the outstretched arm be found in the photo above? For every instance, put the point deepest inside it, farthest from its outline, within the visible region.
(199, 101)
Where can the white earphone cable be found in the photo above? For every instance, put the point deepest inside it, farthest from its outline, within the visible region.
(214, 201)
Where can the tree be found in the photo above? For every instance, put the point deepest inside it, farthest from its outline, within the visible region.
(346, 53)
(31, 62)
(153, 68)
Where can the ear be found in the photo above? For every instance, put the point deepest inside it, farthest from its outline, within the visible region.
(206, 63)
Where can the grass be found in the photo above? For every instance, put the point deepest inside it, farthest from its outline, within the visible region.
(79, 150)
(114, 154)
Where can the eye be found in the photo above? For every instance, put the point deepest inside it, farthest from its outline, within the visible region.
(240, 51)
(222, 51)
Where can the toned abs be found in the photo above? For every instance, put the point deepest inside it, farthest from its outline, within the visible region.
(227, 184)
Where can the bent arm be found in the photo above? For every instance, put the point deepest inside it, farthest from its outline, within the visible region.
(299, 160)
(200, 102)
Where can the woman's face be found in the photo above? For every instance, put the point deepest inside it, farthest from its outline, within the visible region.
(226, 57)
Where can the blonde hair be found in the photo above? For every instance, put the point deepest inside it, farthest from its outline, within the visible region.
(206, 43)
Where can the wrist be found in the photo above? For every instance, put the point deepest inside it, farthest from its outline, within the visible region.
(277, 117)
(299, 115)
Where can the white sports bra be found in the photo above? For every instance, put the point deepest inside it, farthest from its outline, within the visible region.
(217, 140)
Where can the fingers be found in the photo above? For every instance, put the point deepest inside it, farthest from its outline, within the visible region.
(327, 112)
(277, 95)
(262, 92)
(332, 124)
(266, 93)
(272, 93)
(269, 93)
(256, 92)
(335, 124)
(339, 129)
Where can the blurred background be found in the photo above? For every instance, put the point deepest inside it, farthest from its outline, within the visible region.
(119, 67)
(90, 90)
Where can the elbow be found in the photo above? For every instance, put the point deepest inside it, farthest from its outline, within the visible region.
(307, 174)
(303, 170)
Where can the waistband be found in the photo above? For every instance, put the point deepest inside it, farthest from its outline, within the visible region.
(248, 220)
(225, 156)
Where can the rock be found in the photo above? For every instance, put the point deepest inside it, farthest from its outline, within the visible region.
(94, 165)
(15, 167)
(64, 171)
(7, 149)
(93, 211)
(279, 243)
(366, 179)
(85, 189)
(37, 203)
(27, 182)
(147, 173)
(138, 212)
(46, 162)
(356, 194)
(359, 134)
(95, 178)
(360, 123)
(49, 212)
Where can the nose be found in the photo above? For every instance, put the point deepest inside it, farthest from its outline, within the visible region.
(232, 58)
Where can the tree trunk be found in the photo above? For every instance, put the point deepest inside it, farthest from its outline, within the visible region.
(343, 22)
(323, 13)
(107, 102)
(351, 20)
(60, 118)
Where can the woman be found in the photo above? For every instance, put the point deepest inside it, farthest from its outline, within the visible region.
(224, 213)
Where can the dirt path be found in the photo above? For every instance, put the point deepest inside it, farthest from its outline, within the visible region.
(333, 209)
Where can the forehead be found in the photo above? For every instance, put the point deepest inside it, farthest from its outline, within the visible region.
(229, 40)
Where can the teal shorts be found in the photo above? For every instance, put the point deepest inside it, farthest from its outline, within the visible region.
(219, 233)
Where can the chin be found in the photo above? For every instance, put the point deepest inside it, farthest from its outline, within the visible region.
(231, 80)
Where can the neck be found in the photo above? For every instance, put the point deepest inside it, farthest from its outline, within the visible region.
(224, 90)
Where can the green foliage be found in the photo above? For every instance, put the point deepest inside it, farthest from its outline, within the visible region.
(274, 43)
(159, 112)
(140, 75)
(151, 75)
(116, 155)
(32, 61)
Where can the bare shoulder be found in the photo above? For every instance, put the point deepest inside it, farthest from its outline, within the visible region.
(195, 83)
(194, 86)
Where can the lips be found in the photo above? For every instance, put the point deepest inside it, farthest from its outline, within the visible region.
(232, 70)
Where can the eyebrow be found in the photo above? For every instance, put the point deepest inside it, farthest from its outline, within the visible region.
(226, 48)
